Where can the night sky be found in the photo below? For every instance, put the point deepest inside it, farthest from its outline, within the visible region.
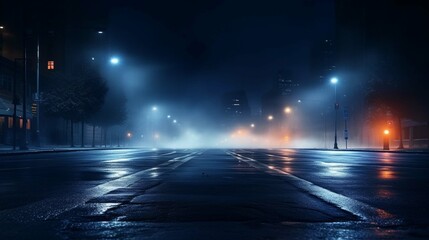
(183, 56)
(191, 52)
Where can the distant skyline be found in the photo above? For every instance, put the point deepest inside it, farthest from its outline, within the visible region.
(192, 50)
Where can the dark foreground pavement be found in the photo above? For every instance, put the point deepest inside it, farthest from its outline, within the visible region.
(215, 194)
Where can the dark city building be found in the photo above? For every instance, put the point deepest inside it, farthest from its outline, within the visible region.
(65, 46)
(323, 61)
(382, 60)
(279, 96)
(235, 108)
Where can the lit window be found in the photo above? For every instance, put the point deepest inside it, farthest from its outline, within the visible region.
(51, 65)
(10, 122)
(1, 121)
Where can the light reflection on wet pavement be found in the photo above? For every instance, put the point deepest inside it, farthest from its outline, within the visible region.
(233, 194)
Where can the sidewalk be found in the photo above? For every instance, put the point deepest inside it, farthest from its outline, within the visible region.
(8, 150)
(391, 150)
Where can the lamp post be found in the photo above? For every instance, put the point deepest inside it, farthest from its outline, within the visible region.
(153, 125)
(23, 144)
(334, 81)
(289, 125)
(386, 139)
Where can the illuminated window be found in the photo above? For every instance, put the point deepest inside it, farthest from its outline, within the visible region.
(34, 108)
(10, 122)
(28, 124)
(51, 65)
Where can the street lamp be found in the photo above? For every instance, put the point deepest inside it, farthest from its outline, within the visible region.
(334, 81)
(287, 110)
(386, 139)
(270, 117)
(114, 60)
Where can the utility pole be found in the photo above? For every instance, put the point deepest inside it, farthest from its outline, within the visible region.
(23, 145)
(38, 92)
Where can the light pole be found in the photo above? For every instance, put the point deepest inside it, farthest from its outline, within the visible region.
(23, 144)
(386, 139)
(289, 124)
(153, 122)
(335, 81)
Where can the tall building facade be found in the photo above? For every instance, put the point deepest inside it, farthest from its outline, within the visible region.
(66, 39)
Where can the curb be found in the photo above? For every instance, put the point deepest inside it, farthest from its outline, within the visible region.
(52, 151)
(416, 151)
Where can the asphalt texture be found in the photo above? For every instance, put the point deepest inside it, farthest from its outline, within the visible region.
(214, 194)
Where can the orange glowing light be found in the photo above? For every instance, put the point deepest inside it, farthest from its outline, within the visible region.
(51, 65)
(386, 132)
(386, 173)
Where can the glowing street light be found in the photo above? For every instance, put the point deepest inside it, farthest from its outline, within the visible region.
(287, 110)
(252, 125)
(129, 134)
(270, 118)
(114, 60)
(334, 81)
(154, 108)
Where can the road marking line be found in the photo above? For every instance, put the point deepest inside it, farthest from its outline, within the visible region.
(362, 210)
(52, 207)
(126, 159)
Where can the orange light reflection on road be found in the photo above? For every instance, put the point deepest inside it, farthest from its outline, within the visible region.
(383, 214)
(386, 173)
(384, 193)
(386, 157)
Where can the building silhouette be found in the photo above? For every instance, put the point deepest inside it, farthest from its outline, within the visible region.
(235, 109)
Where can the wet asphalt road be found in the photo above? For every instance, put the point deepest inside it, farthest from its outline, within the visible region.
(215, 194)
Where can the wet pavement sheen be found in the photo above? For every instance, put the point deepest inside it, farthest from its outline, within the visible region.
(213, 194)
